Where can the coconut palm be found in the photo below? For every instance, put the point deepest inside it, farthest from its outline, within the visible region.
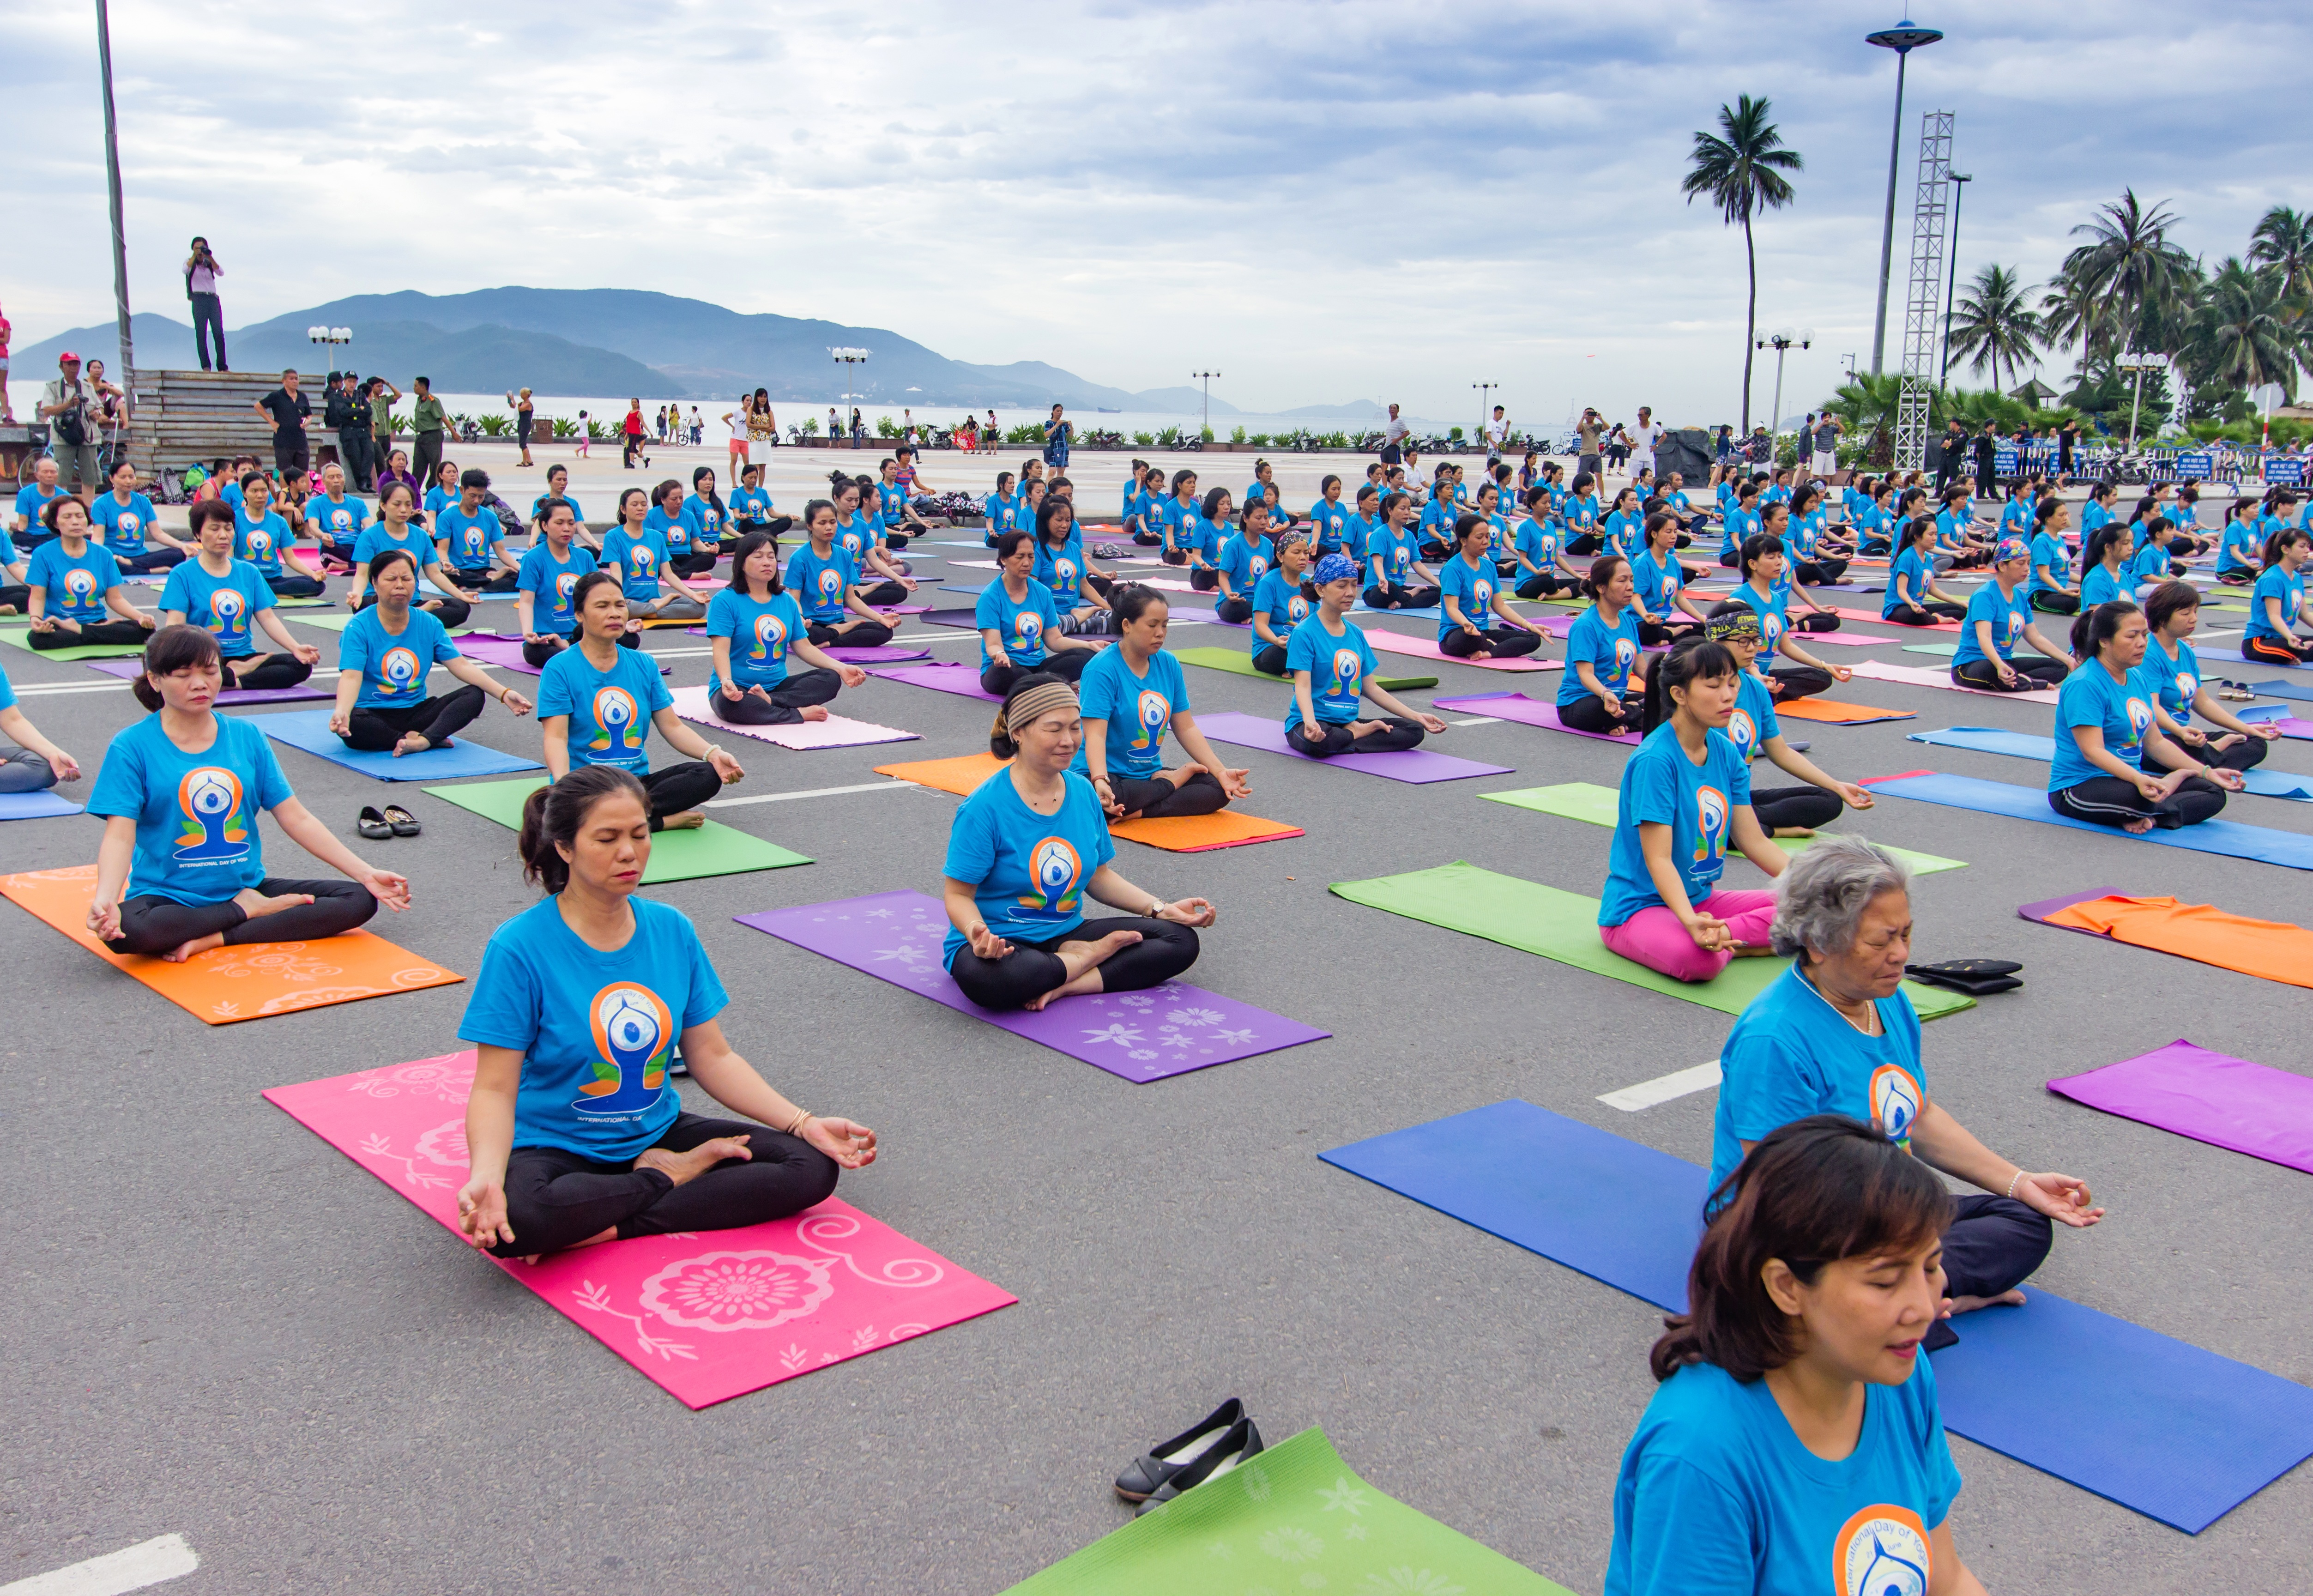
(2283, 239)
(1994, 323)
(1740, 169)
(2247, 322)
(2129, 264)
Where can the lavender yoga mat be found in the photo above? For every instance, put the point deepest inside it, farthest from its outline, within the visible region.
(505, 653)
(1415, 765)
(1525, 711)
(2209, 1096)
(961, 680)
(128, 670)
(1138, 1036)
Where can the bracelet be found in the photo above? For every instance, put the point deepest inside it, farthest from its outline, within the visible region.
(2011, 1183)
(801, 1115)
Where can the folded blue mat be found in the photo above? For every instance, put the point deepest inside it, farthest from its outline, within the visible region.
(2163, 1428)
(1986, 739)
(2282, 688)
(2261, 843)
(34, 806)
(309, 730)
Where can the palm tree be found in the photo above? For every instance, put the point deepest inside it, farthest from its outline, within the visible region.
(1740, 169)
(2129, 264)
(1993, 323)
(2070, 313)
(2247, 323)
(2284, 240)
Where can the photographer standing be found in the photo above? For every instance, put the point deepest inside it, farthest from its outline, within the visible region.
(201, 273)
(70, 407)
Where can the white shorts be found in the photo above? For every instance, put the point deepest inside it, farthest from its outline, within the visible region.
(1826, 461)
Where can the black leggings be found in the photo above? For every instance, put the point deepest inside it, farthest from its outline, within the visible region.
(436, 719)
(1270, 660)
(1814, 621)
(1659, 634)
(1586, 713)
(1818, 573)
(2274, 652)
(680, 788)
(1808, 806)
(537, 656)
(2238, 575)
(285, 586)
(2056, 603)
(1503, 642)
(1800, 681)
(1582, 543)
(2030, 674)
(740, 529)
(1397, 598)
(155, 925)
(697, 563)
(156, 560)
(886, 592)
(1236, 609)
(1067, 664)
(1926, 614)
(452, 613)
(91, 632)
(2107, 800)
(1992, 1245)
(1031, 969)
(1204, 578)
(1154, 798)
(1398, 734)
(484, 581)
(788, 700)
(859, 634)
(1543, 584)
(2246, 754)
(253, 671)
(556, 1198)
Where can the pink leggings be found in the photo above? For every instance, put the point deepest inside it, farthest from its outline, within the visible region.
(1654, 938)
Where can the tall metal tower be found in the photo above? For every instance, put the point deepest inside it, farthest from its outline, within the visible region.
(1922, 309)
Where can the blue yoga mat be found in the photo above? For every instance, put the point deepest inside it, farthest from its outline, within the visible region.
(34, 806)
(2283, 688)
(309, 730)
(1986, 739)
(2164, 1429)
(2261, 843)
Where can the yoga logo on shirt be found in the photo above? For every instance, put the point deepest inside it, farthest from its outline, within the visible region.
(469, 539)
(1055, 872)
(566, 583)
(399, 670)
(829, 583)
(261, 544)
(1260, 567)
(215, 831)
(2014, 628)
(1064, 574)
(770, 639)
(1626, 654)
(1027, 628)
(228, 611)
(633, 1034)
(642, 560)
(1710, 823)
(80, 588)
(1896, 1100)
(1881, 1551)
(850, 542)
(1771, 626)
(338, 520)
(127, 521)
(1741, 731)
(1153, 710)
(1349, 670)
(1297, 609)
(2139, 719)
(2188, 686)
(618, 723)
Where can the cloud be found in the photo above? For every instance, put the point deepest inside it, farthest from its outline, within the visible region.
(1319, 199)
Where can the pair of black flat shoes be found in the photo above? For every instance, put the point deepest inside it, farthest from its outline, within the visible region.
(394, 821)
(1207, 1450)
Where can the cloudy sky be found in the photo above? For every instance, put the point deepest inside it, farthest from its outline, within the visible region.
(1324, 201)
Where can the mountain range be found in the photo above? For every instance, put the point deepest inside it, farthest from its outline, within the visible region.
(612, 342)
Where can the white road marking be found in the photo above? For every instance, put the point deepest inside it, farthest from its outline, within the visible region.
(1662, 1089)
(149, 1563)
(777, 798)
(1478, 720)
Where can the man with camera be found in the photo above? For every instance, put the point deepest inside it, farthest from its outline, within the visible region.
(70, 406)
(201, 273)
(1587, 437)
(345, 411)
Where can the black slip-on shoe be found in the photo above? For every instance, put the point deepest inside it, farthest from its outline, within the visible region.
(1242, 1442)
(372, 824)
(404, 824)
(1139, 1479)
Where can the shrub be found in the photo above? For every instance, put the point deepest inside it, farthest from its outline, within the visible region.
(1236, 435)
(1031, 435)
(1145, 440)
(1337, 440)
(886, 427)
(811, 427)
(1259, 440)
(1169, 439)
(1207, 433)
(1454, 435)
(496, 426)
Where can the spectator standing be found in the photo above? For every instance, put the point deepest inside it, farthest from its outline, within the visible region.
(524, 414)
(1827, 428)
(1644, 437)
(7, 410)
(112, 418)
(70, 407)
(344, 413)
(201, 274)
(1618, 448)
(763, 423)
(1498, 437)
(1587, 434)
(1393, 439)
(1954, 458)
(2068, 436)
(1058, 432)
(698, 428)
(1987, 460)
(426, 420)
(287, 409)
(379, 396)
(631, 429)
(990, 436)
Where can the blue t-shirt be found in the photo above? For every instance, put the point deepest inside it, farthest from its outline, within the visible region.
(336, 521)
(1331, 521)
(596, 1030)
(196, 813)
(1951, 532)
(577, 514)
(260, 541)
(1716, 1494)
(227, 605)
(1660, 785)
(1337, 667)
(1474, 588)
(1397, 551)
(998, 508)
(2007, 617)
(856, 536)
(393, 667)
(1201, 538)
(2051, 564)
(2092, 516)
(2122, 710)
(436, 498)
(550, 583)
(30, 501)
(1538, 544)
(1245, 563)
(1061, 569)
(1753, 723)
(1658, 586)
(2241, 549)
(1028, 871)
(377, 537)
(761, 631)
(638, 558)
(818, 583)
(470, 538)
(2148, 564)
(8, 692)
(76, 584)
(1626, 533)
(2101, 587)
(750, 505)
(1808, 530)
(2277, 584)
(2175, 678)
(1791, 1054)
(123, 524)
(1020, 627)
(1137, 709)
(1580, 513)
(1279, 597)
(707, 518)
(1739, 525)
(1612, 651)
(674, 531)
(610, 710)
(1772, 611)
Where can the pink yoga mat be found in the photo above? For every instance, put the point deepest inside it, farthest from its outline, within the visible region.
(834, 732)
(1416, 765)
(1526, 711)
(128, 670)
(2209, 1096)
(1397, 642)
(1920, 675)
(708, 1316)
(962, 680)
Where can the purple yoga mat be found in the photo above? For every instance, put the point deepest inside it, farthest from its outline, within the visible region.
(2291, 726)
(2210, 1097)
(884, 654)
(128, 670)
(1416, 765)
(1138, 1036)
(506, 653)
(961, 680)
(2039, 912)
(1526, 711)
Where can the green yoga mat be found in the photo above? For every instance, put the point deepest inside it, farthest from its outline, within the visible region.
(1294, 1518)
(1239, 665)
(1941, 650)
(712, 849)
(1594, 805)
(21, 637)
(1563, 926)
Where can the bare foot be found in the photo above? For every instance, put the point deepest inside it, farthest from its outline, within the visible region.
(1794, 830)
(684, 1168)
(257, 905)
(1970, 1304)
(2137, 828)
(412, 743)
(816, 712)
(1082, 961)
(689, 820)
(1482, 654)
(185, 950)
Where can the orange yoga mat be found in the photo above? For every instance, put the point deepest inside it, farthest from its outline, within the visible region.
(2272, 948)
(249, 981)
(1836, 712)
(1176, 834)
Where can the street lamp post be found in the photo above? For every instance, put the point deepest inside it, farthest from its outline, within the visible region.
(331, 337)
(848, 358)
(1952, 287)
(2139, 363)
(1782, 343)
(1903, 38)
(1207, 377)
(1484, 410)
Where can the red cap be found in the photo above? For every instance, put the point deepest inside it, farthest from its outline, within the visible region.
(67, 358)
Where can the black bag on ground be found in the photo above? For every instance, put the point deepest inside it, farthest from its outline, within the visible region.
(1686, 450)
(1977, 977)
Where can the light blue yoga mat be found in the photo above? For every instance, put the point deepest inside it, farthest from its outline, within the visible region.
(308, 731)
(2263, 845)
(2161, 1427)
(34, 806)
(2282, 688)
(1986, 739)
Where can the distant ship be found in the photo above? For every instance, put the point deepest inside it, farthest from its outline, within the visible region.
(1101, 410)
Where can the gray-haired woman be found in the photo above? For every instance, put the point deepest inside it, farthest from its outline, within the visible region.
(1837, 1034)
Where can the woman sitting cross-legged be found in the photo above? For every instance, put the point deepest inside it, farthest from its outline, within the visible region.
(222, 596)
(825, 583)
(74, 594)
(1658, 585)
(1999, 617)
(2106, 737)
(1025, 849)
(394, 528)
(2278, 602)
(1687, 792)
(1393, 554)
(752, 626)
(1280, 605)
(1130, 693)
(1019, 624)
(598, 704)
(1474, 619)
(383, 657)
(1332, 666)
(574, 1133)
(29, 762)
(2173, 671)
(550, 570)
(1913, 599)
(1755, 729)
(639, 552)
(1602, 656)
(1766, 590)
(179, 792)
